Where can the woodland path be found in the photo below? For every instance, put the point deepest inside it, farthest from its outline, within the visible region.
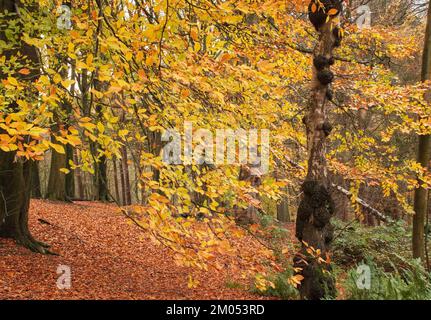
(109, 259)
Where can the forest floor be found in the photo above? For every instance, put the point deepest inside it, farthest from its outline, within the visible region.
(109, 259)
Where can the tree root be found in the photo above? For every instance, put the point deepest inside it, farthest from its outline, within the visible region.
(35, 246)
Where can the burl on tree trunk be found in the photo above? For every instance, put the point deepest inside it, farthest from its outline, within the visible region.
(313, 227)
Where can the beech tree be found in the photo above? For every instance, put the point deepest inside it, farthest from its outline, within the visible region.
(16, 173)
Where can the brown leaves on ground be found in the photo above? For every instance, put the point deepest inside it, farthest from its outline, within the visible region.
(109, 259)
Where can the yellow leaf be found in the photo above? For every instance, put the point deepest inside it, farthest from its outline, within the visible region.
(58, 147)
(123, 133)
(197, 46)
(13, 81)
(192, 283)
(129, 56)
(88, 125)
(89, 60)
(64, 170)
(100, 127)
(66, 83)
(57, 78)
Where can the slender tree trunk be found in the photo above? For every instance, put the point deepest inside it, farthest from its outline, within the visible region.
(421, 193)
(313, 227)
(123, 184)
(100, 176)
(60, 184)
(70, 177)
(155, 147)
(103, 180)
(126, 186)
(78, 176)
(117, 193)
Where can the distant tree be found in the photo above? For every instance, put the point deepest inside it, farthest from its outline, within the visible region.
(424, 153)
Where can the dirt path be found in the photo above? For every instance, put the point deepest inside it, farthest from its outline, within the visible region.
(108, 257)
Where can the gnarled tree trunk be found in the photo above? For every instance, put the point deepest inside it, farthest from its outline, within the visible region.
(313, 227)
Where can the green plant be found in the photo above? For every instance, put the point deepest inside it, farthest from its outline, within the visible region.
(388, 246)
(412, 283)
(232, 284)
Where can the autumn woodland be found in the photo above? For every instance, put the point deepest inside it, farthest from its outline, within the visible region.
(215, 150)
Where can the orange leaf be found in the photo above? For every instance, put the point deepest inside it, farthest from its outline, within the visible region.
(332, 12)
(24, 71)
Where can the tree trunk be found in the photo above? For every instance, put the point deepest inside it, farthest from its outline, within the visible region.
(15, 187)
(249, 215)
(100, 176)
(57, 179)
(127, 198)
(313, 227)
(116, 188)
(283, 212)
(123, 184)
(15, 174)
(59, 183)
(78, 176)
(70, 177)
(421, 194)
(35, 181)
(102, 180)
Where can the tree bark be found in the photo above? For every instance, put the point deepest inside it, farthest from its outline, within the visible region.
(60, 184)
(35, 181)
(421, 193)
(78, 176)
(313, 226)
(283, 212)
(103, 180)
(249, 215)
(57, 179)
(116, 188)
(70, 177)
(127, 197)
(15, 187)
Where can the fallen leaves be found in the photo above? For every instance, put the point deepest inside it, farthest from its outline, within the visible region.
(109, 259)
